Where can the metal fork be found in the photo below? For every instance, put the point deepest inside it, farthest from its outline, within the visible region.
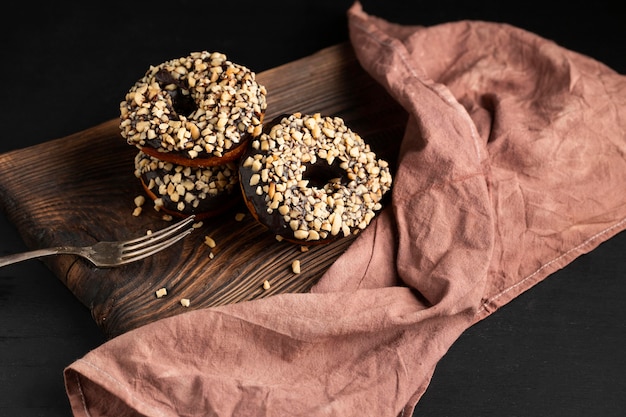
(110, 254)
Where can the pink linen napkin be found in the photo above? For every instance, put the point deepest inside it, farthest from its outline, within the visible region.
(512, 165)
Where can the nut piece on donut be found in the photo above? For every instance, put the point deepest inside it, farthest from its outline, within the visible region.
(198, 110)
(182, 190)
(310, 179)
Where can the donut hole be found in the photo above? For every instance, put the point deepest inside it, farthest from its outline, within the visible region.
(183, 104)
(321, 174)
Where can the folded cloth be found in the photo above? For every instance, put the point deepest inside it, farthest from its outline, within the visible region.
(510, 168)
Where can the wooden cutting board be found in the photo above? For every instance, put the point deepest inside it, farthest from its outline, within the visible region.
(80, 189)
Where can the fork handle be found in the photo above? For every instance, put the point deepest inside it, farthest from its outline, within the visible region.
(38, 253)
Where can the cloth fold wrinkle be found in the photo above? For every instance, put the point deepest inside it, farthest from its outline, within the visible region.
(471, 226)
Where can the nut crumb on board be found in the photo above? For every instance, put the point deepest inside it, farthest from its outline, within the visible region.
(208, 240)
(185, 302)
(295, 266)
(266, 285)
(139, 200)
(161, 292)
(239, 216)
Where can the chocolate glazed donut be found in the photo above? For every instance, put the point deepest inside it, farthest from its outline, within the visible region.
(198, 110)
(181, 190)
(310, 179)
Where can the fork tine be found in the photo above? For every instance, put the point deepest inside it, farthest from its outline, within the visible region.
(147, 245)
(148, 250)
(161, 234)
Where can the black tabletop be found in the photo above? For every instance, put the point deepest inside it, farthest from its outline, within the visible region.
(557, 349)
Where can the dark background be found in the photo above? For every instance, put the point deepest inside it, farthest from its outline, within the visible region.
(558, 349)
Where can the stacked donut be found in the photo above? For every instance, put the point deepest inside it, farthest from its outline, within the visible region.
(198, 124)
(191, 119)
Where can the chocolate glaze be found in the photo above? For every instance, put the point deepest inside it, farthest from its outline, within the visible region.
(181, 103)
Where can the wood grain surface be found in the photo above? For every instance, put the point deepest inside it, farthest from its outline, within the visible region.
(80, 189)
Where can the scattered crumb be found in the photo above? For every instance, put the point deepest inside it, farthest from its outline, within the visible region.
(211, 255)
(239, 216)
(266, 285)
(161, 292)
(198, 225)
(295, 266)
(279, 238)
(148, 232)
(209, 241)
(184, 302)
(167, 217)
(139, 200)
(304, 248)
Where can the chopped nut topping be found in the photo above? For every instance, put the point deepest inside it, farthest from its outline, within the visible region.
(140, 200)
(186, 187)
(313, 209)
(202, 104)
